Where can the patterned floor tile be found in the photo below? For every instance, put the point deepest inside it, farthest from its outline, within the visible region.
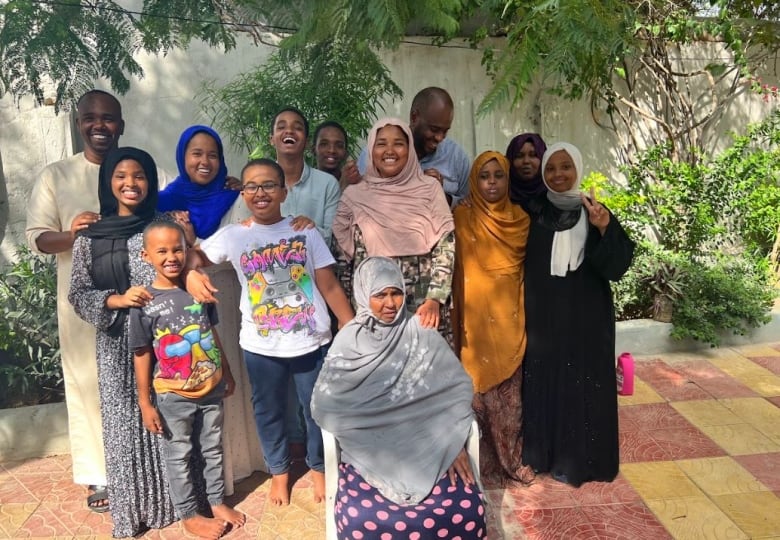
(757, 514)
(41, 485)
(711, 379)
(52, 464)
(13, 515)
(669, 382)
(755, 377)
(774, 400)
(740, 439)
(707, 412)
(643, 393)
(697, 517)
(720, 476)
(765, 467)
(43, 522)
(751, 351)
(685, 443)
(759, 413)
(543, 493)
(660, 480)
(771, 363)
(628, 521)
(619, 491)
(655, 416)
(11, 491)
(543, 523)
(638, 446)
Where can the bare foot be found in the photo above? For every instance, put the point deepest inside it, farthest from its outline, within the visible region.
(280, 493)
(210, 528)
(319, 485)
(233, 517)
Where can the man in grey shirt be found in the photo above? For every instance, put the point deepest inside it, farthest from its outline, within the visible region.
(430, 119)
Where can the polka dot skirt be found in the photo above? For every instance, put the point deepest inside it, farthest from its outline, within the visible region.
(451, 512)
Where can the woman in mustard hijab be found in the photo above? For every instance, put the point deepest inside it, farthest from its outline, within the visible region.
(488, 291)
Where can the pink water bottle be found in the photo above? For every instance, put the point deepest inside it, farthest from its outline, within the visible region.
(625, 374)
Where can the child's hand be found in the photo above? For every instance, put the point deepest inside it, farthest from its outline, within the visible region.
(182, 217)
(151, 418)
(429, 313)
(135, 297)
(230, 383)
(200, 287)
(302, 222)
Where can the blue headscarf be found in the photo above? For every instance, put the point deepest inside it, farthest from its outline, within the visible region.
(206, 204)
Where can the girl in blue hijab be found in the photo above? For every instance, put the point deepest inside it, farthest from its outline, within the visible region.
(200, 188)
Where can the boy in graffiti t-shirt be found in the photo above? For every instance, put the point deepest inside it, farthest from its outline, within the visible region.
(286, 280)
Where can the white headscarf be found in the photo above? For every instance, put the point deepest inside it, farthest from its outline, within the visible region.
(568, 248)
(393, 394)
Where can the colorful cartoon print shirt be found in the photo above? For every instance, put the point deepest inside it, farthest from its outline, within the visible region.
(282, 312)
(179, 329)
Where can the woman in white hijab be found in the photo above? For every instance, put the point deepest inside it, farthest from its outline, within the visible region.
(397, 400)
(575, 248)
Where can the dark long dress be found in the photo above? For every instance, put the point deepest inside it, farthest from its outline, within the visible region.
(569, 394)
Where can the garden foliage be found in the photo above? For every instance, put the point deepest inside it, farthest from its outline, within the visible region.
(709, 232)
(30, 371)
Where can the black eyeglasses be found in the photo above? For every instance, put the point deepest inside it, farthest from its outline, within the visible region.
(267, 187)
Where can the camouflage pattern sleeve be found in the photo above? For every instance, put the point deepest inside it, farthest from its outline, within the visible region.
(442, 265)
(346, 268)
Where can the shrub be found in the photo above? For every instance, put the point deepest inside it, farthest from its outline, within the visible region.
(30, 372)
(711, 226)
(728, 295)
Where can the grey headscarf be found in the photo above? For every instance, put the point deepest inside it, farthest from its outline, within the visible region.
(393, 394)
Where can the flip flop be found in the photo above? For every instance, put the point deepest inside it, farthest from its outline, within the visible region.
(99, 493)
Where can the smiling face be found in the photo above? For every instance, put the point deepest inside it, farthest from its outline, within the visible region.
(330, 149)
(386, 304)
(526, 163)
(560, 173)
(165, 249)
(430, 126)
(391, 151)
(493, 182)
(129, 186)
(100, 125)
(289, 134)
(201, 159)
(265, 203)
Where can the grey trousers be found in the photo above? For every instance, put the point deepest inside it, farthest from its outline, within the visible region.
(193, 424)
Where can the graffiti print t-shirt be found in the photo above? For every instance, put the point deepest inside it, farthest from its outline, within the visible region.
(282, 312)
(179, 329)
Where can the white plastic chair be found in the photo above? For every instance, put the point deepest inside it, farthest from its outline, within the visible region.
(333, 457)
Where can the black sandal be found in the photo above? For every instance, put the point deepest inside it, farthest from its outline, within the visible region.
(99, 493)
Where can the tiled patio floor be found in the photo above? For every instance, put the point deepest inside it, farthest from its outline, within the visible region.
(700, 459)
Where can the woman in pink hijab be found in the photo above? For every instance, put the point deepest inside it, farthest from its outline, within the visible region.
(398, 212)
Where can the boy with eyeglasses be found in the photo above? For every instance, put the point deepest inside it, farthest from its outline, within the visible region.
(287, 279)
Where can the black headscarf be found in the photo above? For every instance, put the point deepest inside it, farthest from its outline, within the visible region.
(521, 191)
(110, 260)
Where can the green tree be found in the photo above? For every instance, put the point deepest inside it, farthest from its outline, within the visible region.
(72, 43)
(637, 62)
(335, 79)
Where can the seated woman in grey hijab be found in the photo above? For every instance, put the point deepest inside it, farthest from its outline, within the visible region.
(398, 402)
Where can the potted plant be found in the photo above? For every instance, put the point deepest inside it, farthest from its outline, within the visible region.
(666, 286)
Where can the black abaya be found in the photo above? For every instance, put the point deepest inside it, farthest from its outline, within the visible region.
(570, 419)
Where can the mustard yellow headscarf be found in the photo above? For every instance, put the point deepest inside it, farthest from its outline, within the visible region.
(488, 288)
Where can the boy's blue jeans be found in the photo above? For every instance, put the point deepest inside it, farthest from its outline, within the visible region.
(192, 423)
(269, 376)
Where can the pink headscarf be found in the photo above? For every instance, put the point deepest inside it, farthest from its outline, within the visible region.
(406, 214)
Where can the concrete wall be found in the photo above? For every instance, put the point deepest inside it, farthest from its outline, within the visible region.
(158, 107)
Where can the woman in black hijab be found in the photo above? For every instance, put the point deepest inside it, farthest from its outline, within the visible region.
(109, 277)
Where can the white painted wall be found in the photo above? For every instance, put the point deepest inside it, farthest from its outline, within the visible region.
(158, 107)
